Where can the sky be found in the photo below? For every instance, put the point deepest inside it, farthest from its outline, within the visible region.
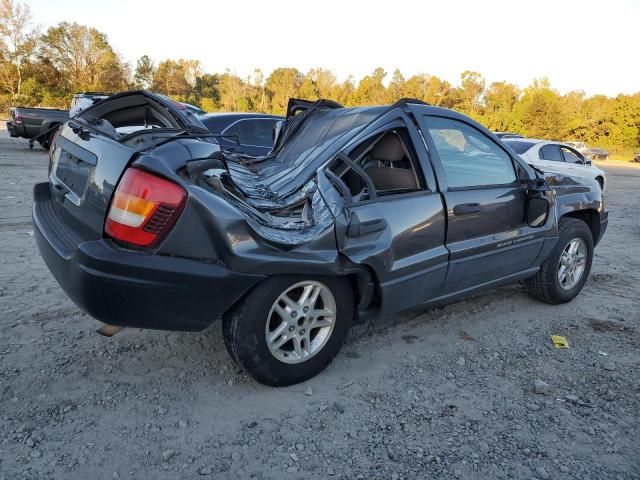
(593, 46)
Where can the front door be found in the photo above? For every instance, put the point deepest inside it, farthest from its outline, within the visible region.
(487, 234)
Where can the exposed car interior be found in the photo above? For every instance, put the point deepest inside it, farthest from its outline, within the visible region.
(388, 162)
(127, 115)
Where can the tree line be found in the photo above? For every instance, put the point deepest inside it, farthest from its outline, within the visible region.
(48, 68)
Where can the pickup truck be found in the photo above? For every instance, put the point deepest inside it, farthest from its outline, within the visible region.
(592, 153)
(355, 213)
(40, 123)
(28, 122)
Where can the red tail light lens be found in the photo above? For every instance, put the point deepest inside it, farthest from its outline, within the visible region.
(17, 117)
(144, 208)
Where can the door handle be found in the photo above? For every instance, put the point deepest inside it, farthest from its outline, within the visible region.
(466, 208)
(358, 229)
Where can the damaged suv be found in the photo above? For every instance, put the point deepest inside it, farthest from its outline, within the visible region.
(356, 212)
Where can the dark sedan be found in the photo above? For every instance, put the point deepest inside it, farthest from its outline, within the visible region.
(249, 133)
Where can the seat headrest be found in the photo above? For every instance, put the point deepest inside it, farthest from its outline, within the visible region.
(388, 148)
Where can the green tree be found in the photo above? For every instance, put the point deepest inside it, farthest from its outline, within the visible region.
(83, 58)
(396, 86)
(206, 91)
(170, 79)
(429, 89)
(500, 113)
(17, 44)
(541, 112)
(143, 75)
(283, 84)
(470, 93)
(232, 93)
(258, 92)
(370, 89)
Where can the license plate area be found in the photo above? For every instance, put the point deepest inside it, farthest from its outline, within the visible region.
(72, 167)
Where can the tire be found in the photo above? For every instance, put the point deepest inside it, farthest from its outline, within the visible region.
(246, 326)
(546, 285)
(48, 140)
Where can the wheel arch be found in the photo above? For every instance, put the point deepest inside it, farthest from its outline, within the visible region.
(591, 217)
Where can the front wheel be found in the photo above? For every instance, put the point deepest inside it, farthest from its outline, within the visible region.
(289, 328)
(564, 272)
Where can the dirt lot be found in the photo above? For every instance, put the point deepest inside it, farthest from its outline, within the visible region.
(447, 393)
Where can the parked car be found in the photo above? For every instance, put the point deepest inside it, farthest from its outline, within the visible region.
(193, 109)
(356, 213)
(28, 122)
(556, 156)
(507, 135)
(249, 133)
(589, 152)
(40, 124)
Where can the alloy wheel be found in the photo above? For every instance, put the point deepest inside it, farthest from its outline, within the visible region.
(572, 263)
(300, 322)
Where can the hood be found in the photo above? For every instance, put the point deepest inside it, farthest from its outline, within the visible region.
(586, 171)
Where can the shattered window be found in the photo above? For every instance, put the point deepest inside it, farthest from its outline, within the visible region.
(388, 159)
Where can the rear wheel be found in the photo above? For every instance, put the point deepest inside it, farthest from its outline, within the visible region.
(565, 271)
(289, 328)
(48, 140)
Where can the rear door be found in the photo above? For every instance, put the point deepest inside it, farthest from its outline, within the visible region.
(487, 234)
(400, 233)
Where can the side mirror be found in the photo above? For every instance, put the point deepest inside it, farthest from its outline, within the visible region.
(277, 131)
(537, 211)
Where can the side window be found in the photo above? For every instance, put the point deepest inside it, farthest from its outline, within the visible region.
(388, 158)
(256, 132)
(551, 153)
(571, 156)
(469, 158)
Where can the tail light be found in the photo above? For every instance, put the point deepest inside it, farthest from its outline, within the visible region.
(17, 117)
(144, 208)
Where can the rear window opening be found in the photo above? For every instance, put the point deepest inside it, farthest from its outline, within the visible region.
(388, 159)
(124, 117)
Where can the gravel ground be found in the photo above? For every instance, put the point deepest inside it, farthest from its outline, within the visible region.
(473, 390)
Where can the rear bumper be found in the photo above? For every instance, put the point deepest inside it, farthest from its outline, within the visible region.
(13, 129)
(133, 289)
